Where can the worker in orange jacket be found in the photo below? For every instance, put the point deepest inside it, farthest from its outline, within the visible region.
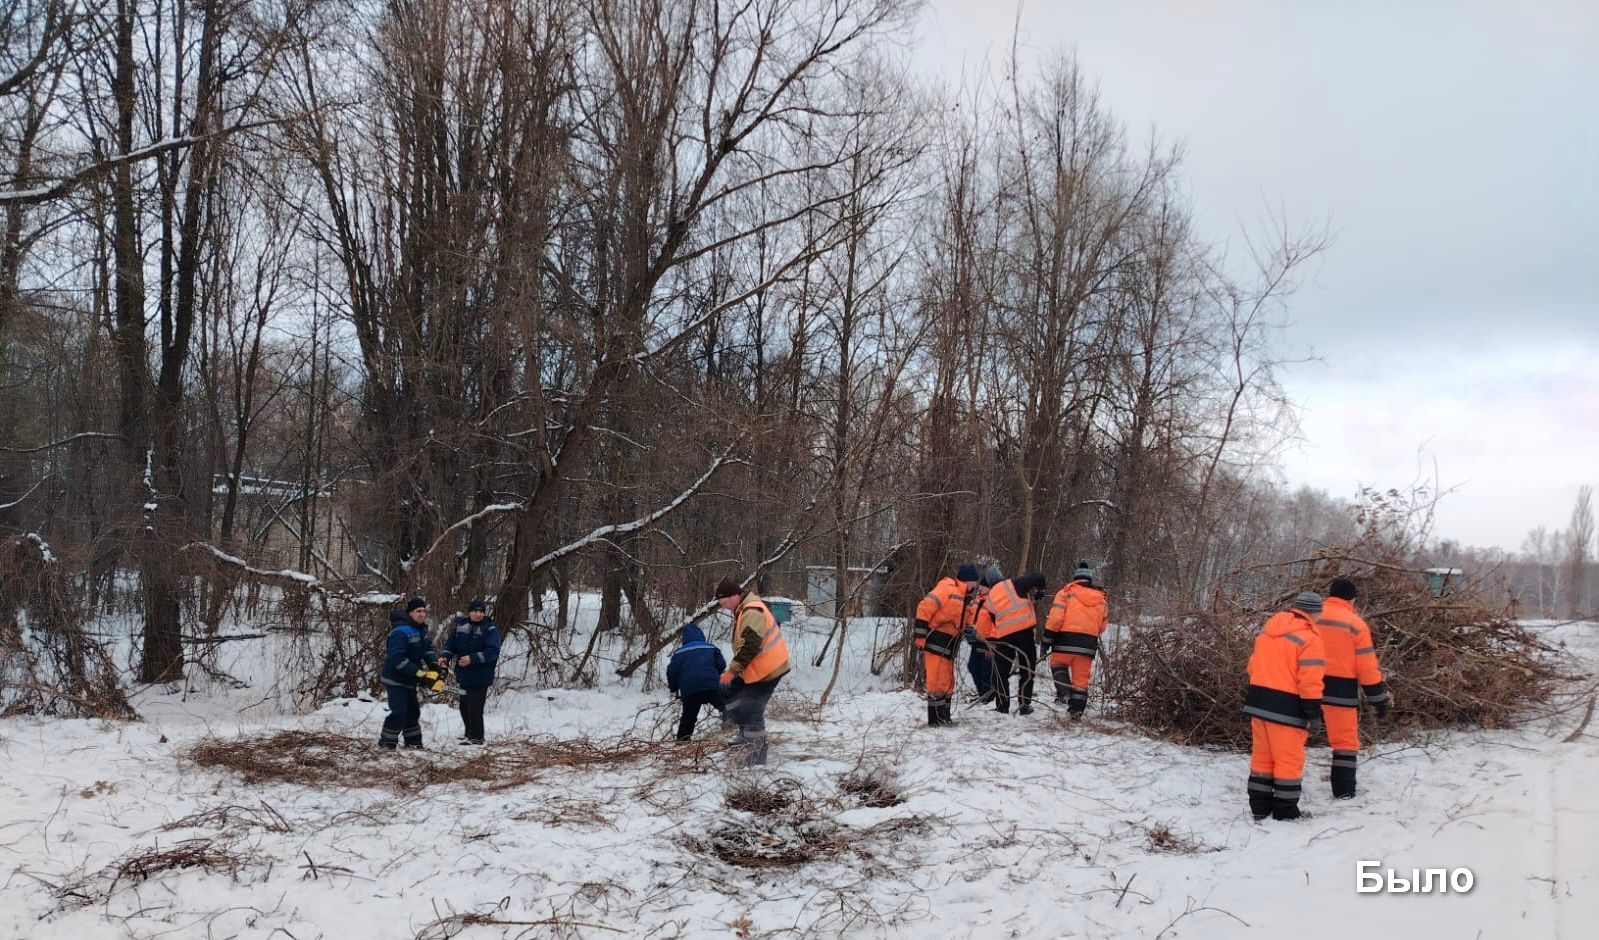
(941, 617)
(1284, 700)
(1351, 670)
(1006, 622)
(1076, 621)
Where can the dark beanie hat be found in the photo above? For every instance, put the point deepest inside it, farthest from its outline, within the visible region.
(1342, 588)
(728, 587)
(1309, 602)
(1030, 582)
(477, 604)
(967, 572)
(415, 603)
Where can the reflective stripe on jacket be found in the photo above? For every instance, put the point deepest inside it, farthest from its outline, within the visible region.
(760, 653)
(1076, 619)
(1286, 670)
(1351, 656)
(947, 608)
(1008, 612)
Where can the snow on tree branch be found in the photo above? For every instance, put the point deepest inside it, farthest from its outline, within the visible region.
(483, 513)
(308, 582)
(81, 435)
(20, 499)
(66, 184)
(623, 528)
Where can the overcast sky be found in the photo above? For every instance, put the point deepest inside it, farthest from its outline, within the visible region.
(1454, 149)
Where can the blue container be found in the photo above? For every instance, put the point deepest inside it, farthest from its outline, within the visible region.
(782, 608)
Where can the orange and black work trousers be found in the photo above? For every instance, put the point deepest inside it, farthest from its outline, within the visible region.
(1276, 769)
(1343, 733)
(938, 663)
(1071, 672)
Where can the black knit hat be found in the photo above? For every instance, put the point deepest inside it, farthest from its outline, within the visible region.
(967, 572)
(415, 603)
(477, 604)
(1342, 588)
(728, 587)
(1030, 582)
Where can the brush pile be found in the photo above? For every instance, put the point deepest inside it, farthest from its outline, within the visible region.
(1450, 661)
(324, 759)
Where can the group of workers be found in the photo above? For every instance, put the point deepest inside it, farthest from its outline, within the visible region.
(999, 619)
(1312, 664)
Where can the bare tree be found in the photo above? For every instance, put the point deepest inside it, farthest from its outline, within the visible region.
(1580, 538)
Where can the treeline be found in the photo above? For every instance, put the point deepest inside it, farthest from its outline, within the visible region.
(492, 299)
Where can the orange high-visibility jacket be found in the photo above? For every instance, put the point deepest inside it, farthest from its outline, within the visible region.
(760, 652)
(946, 610)
(1286, 670)
(1351, 657)
(1006, 612)
(1077, 619)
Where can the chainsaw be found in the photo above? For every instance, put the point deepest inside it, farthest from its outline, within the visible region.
(438, 681)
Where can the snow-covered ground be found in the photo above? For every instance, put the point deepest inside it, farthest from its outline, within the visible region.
(1010, 826)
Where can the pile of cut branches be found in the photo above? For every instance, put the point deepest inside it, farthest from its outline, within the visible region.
(776, 822)
(325, 759)
(1451, 661)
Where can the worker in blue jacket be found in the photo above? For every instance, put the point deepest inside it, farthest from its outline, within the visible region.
(473, 649)
(695, 673)
(409, 662)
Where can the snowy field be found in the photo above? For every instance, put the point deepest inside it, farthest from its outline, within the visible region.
(1008, 826)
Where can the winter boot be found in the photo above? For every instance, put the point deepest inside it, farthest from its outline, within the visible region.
(1285, 799)
(389, 739)
(1063, 683)
(1289, 810)
(1260, 795)
(754, 748)
(1025, 710)
(932, 714)
(1343, 775)
(1079, 703)
(944, 716)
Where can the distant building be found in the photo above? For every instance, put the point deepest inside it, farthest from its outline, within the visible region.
(822, 593)
(1441, 582)
(290, 525)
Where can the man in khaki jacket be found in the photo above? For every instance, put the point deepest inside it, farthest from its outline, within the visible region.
(760, 661)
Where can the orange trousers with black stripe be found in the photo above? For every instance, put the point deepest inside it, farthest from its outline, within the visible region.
(940, 671)
(1278, 752)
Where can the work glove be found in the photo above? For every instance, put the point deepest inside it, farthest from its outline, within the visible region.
(727, 681)
(1314, 725)
(1383, 706)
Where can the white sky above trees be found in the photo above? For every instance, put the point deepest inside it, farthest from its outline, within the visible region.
(1452, 147)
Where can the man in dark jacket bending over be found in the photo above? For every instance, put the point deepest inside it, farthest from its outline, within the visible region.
(695, 673)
